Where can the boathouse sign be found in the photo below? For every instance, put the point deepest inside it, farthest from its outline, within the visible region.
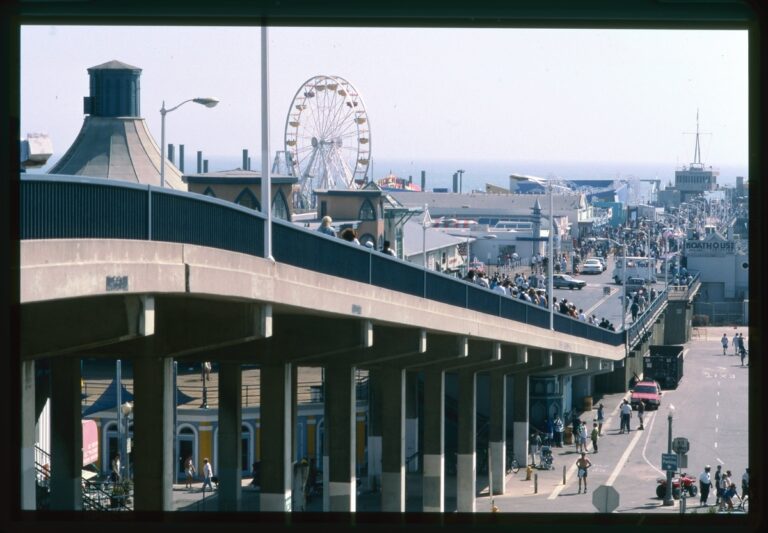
(712, 246)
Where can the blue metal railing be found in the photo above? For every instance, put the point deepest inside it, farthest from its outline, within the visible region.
(78, 207)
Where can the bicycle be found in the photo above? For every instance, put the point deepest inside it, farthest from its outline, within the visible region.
(513, 465)
(743, 503)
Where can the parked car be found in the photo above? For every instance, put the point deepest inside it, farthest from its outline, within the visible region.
(648, 392)
(591, 266)
(602, 261)
(564, 281)
(635, 283)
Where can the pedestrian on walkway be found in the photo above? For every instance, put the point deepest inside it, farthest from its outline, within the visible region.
(583, 465)
(189, 470)
(724, 342)
(594, 435)
(626, 414)
(583, 436)
(549, 430)
(600, 418)
(705, 482)
(735, 342)
(718, 488)
(741, 348)
(558, 427)
(207, 474)
(640, 413)
(535, 444)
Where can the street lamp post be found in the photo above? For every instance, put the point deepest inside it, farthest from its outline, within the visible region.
(668, 494)
(207, 102)
(551, 262)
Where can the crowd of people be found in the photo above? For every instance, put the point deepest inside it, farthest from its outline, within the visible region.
(724, 486)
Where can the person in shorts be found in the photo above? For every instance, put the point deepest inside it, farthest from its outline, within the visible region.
(583, 464)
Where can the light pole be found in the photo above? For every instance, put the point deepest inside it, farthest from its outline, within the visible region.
(207, 102)
(127, 409)
(551, 262)
(668, 495)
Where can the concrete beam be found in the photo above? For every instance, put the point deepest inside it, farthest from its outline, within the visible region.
(433, 482)
(66, 436)
(230, 436)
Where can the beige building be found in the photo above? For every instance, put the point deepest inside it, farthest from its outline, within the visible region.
(243, 187)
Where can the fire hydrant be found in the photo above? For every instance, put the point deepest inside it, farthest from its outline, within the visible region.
(528, 472)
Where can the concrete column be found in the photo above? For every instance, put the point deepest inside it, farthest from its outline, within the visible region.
(465, 468)
(28, 474)
(230, 440)
(412, 418)
(433, 483)
(520, 417)
(66, 435)
(393, 445)
(340, 429)
(498, 430)
(153, 434)
(375, 399)
(275, 434)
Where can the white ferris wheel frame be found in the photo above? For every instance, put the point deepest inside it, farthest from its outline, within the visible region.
(327, 134)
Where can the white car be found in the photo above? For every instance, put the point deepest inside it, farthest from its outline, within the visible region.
(591, 266)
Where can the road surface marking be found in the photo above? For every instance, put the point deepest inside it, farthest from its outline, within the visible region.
(623, 459)
(645, 446)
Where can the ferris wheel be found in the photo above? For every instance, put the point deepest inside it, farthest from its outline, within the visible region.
(327, 136)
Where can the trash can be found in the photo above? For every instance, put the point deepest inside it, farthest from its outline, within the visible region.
(568, 435)
(587, 403)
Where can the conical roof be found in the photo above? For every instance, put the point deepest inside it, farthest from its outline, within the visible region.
(117, 148)
(114, 141)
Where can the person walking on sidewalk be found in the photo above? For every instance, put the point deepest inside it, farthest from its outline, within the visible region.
(558, 426)
(600, 418)
(626, 413)
(724, 342)
(594, 436)
(640, 413)
(583, 465)
(535, 444)
(705, 482)
(207, 474)
(735, 343)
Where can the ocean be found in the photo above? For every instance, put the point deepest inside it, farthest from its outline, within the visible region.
(478, 173)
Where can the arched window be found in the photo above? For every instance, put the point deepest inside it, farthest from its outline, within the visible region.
(280, 207)
(366, 211)
(209, 192)
(247, 199)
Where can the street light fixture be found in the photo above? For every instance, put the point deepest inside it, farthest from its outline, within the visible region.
(668, 495)
(207, 102)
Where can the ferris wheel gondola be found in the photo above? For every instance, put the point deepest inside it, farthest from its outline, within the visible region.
(327, 134)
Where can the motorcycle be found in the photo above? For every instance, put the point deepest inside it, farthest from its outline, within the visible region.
(688, 484)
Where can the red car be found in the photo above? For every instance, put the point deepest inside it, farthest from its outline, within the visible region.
(648, 392)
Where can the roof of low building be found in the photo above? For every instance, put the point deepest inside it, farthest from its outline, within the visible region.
(118, 148)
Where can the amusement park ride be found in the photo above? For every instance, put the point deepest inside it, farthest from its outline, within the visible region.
(327, 138)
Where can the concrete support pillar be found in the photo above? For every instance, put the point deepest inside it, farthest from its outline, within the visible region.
(498, 430)
(28, 474)
(153, 433)
(520, 417)
(412, 419)
(230, 439)
(393, 445)
(433, 484)
(465, 467)
(66, 435)
(340, 415)
(376, 392)
(276, 407)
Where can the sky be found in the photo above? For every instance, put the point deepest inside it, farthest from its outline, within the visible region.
(431, 94)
